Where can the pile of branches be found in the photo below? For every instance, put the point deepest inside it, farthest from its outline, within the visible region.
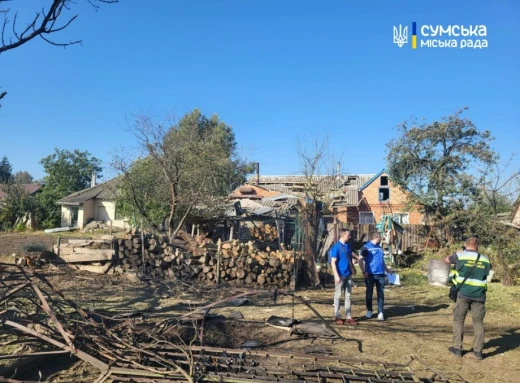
(127, 348)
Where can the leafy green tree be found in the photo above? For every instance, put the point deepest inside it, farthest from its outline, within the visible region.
(5, 170)
(490, 214)
(191, 166)
(143, 193)
(433, 161)
(17, 206)
(23, 178)
(67, 172)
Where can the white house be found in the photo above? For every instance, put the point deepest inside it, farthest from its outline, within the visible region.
(97, 203)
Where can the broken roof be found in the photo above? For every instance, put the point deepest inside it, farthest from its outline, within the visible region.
(372, 179)
(284, 183)
(105, 190)
(251, 191)
(342, 190)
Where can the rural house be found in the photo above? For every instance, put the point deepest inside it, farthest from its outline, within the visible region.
(354, 198)
(97, 203)
(29, 189)
(379, 196)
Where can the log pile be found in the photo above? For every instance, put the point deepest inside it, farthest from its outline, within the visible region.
(196, 258)
(265, 233)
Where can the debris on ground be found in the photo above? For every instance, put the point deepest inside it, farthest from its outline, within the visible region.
(128, 347)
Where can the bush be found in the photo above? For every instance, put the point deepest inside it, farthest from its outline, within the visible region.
(511, 254)
(20, 227)
(425, 256)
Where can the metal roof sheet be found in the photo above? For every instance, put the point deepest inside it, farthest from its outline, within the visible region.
(105, 190)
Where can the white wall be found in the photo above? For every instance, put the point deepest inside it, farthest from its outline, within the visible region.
(110, 207)
(89, 212)
(65, 216)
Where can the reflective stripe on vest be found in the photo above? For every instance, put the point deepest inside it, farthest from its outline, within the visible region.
(471, 282)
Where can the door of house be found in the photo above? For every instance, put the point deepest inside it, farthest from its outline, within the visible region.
(74, 216)
(102, 214)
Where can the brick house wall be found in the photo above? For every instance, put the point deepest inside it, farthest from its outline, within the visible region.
(369, 203)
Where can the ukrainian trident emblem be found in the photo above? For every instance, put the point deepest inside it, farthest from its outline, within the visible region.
(400, 36)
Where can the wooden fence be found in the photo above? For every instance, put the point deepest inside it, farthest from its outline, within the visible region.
(413, 238)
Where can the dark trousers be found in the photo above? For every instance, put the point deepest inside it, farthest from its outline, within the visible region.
(379, 281)
(478, 311)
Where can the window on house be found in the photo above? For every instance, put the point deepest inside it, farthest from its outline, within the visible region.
(384, 180)
(384, 194)
(402, 218)
(366, 218)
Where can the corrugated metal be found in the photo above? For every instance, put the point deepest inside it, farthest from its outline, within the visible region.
(281, 207)
(288, 184)
(348, 198)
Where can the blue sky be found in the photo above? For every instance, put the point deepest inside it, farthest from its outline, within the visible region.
(271, 69)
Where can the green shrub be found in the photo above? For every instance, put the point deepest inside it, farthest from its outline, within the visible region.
(20, 227)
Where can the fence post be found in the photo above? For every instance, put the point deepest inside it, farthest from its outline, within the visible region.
(142, 245)
(219, 243)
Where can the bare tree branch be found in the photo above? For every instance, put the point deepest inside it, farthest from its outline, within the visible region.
(42, 25)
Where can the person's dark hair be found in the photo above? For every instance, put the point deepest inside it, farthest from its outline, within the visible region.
(471, 242)
(343, 230)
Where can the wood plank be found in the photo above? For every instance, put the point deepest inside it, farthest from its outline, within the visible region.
(84, 242)
(92, 269)
(58, 229)
(90, 256)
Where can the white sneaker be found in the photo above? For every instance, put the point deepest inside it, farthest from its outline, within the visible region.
(380, 316)
(369, 314)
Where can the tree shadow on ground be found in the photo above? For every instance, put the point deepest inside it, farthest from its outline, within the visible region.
(403, 311)
(406, 311)
(508, 341)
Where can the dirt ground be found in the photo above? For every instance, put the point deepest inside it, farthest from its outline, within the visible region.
(418, 319)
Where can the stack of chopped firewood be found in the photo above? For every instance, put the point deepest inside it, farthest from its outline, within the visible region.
(189, 258)
(265, 233)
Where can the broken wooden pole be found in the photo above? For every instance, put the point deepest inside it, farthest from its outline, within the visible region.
(219, 256)
(142, 246)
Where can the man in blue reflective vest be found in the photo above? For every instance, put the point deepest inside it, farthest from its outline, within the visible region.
(341, 261)
(373, 267)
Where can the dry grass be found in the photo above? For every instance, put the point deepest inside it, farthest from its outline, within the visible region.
(418, 320)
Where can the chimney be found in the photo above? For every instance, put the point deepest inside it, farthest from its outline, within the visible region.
(93, 180)
(257, 173)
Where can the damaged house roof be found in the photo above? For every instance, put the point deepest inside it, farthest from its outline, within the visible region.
(342, 190)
